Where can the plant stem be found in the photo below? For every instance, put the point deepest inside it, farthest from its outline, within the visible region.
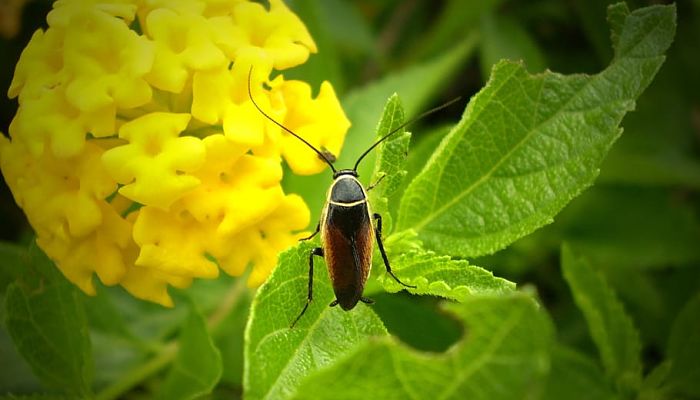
(138, 374)
(168, 352)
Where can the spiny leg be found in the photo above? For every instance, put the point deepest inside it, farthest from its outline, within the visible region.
(378, 234)
(370, 187)
(315, 252)
(318, 227)
(365, 300)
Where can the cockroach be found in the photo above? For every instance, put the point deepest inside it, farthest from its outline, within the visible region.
(346, 227)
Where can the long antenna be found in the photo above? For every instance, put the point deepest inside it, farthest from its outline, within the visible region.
(425, 114)
(320, 154)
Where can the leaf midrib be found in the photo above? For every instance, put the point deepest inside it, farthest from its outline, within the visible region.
(493, 346)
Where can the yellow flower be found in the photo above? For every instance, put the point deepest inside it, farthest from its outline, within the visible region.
(138, 156)
(153, 166)
(183, 44)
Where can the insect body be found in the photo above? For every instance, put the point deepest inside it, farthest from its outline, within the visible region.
(346, 227)
(347, 236)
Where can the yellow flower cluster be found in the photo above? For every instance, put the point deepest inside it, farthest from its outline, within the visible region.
(137, 154)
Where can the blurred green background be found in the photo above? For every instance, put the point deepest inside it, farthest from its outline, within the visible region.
(638, 225)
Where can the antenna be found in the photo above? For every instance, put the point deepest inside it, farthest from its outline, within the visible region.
(320, 154)
(425, 114)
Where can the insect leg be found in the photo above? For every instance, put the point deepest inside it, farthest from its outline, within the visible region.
(318, 227)
(378, 234)
(370, 187)
(366, 300)
(315, 252)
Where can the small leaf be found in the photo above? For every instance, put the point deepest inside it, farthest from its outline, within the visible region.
(527, 145)
(391, 157)
(416, 86)
(504, 355)
(574, 376)
(610, 327)
(197, 366)
(391, 154)
(45, 317)
(364, 107)
(441, 276)
(684, 351)
(277, 358)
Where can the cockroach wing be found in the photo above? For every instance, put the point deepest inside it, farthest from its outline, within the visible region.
(347, 237)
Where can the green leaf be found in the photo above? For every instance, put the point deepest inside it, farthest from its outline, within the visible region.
(364, 107)
(197, 366)
(527, 145)
(684, 351)
(574, 376)
(45, 317)
(504, 355)
(441, 276)
(610, 327)
(33, 397)
(391, 157)
(391, 154)
(277, 357)
(430, 328)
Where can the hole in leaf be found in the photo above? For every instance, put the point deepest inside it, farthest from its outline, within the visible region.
(418, 321)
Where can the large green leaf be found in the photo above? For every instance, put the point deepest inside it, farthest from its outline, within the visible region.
(527, 145)
(610, 327)
(45, 317)
(504, 355)
(197, 366)
(277, 357)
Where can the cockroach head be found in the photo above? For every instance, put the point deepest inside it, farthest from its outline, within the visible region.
(341, 172)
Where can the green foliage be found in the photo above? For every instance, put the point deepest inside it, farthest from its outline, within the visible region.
(504, 356)
(574, 376)
(441, 276)
(611, 328)
(197, 366)
(527, 145)
(44, 314)
(277, 357)
(684, 352)
(391, 154)
(610, 315)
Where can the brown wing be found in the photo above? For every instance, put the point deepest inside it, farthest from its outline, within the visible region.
(347, 236)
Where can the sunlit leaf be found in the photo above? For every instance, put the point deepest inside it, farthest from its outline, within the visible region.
(504, 355)
(527, 145)
(278, 357)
